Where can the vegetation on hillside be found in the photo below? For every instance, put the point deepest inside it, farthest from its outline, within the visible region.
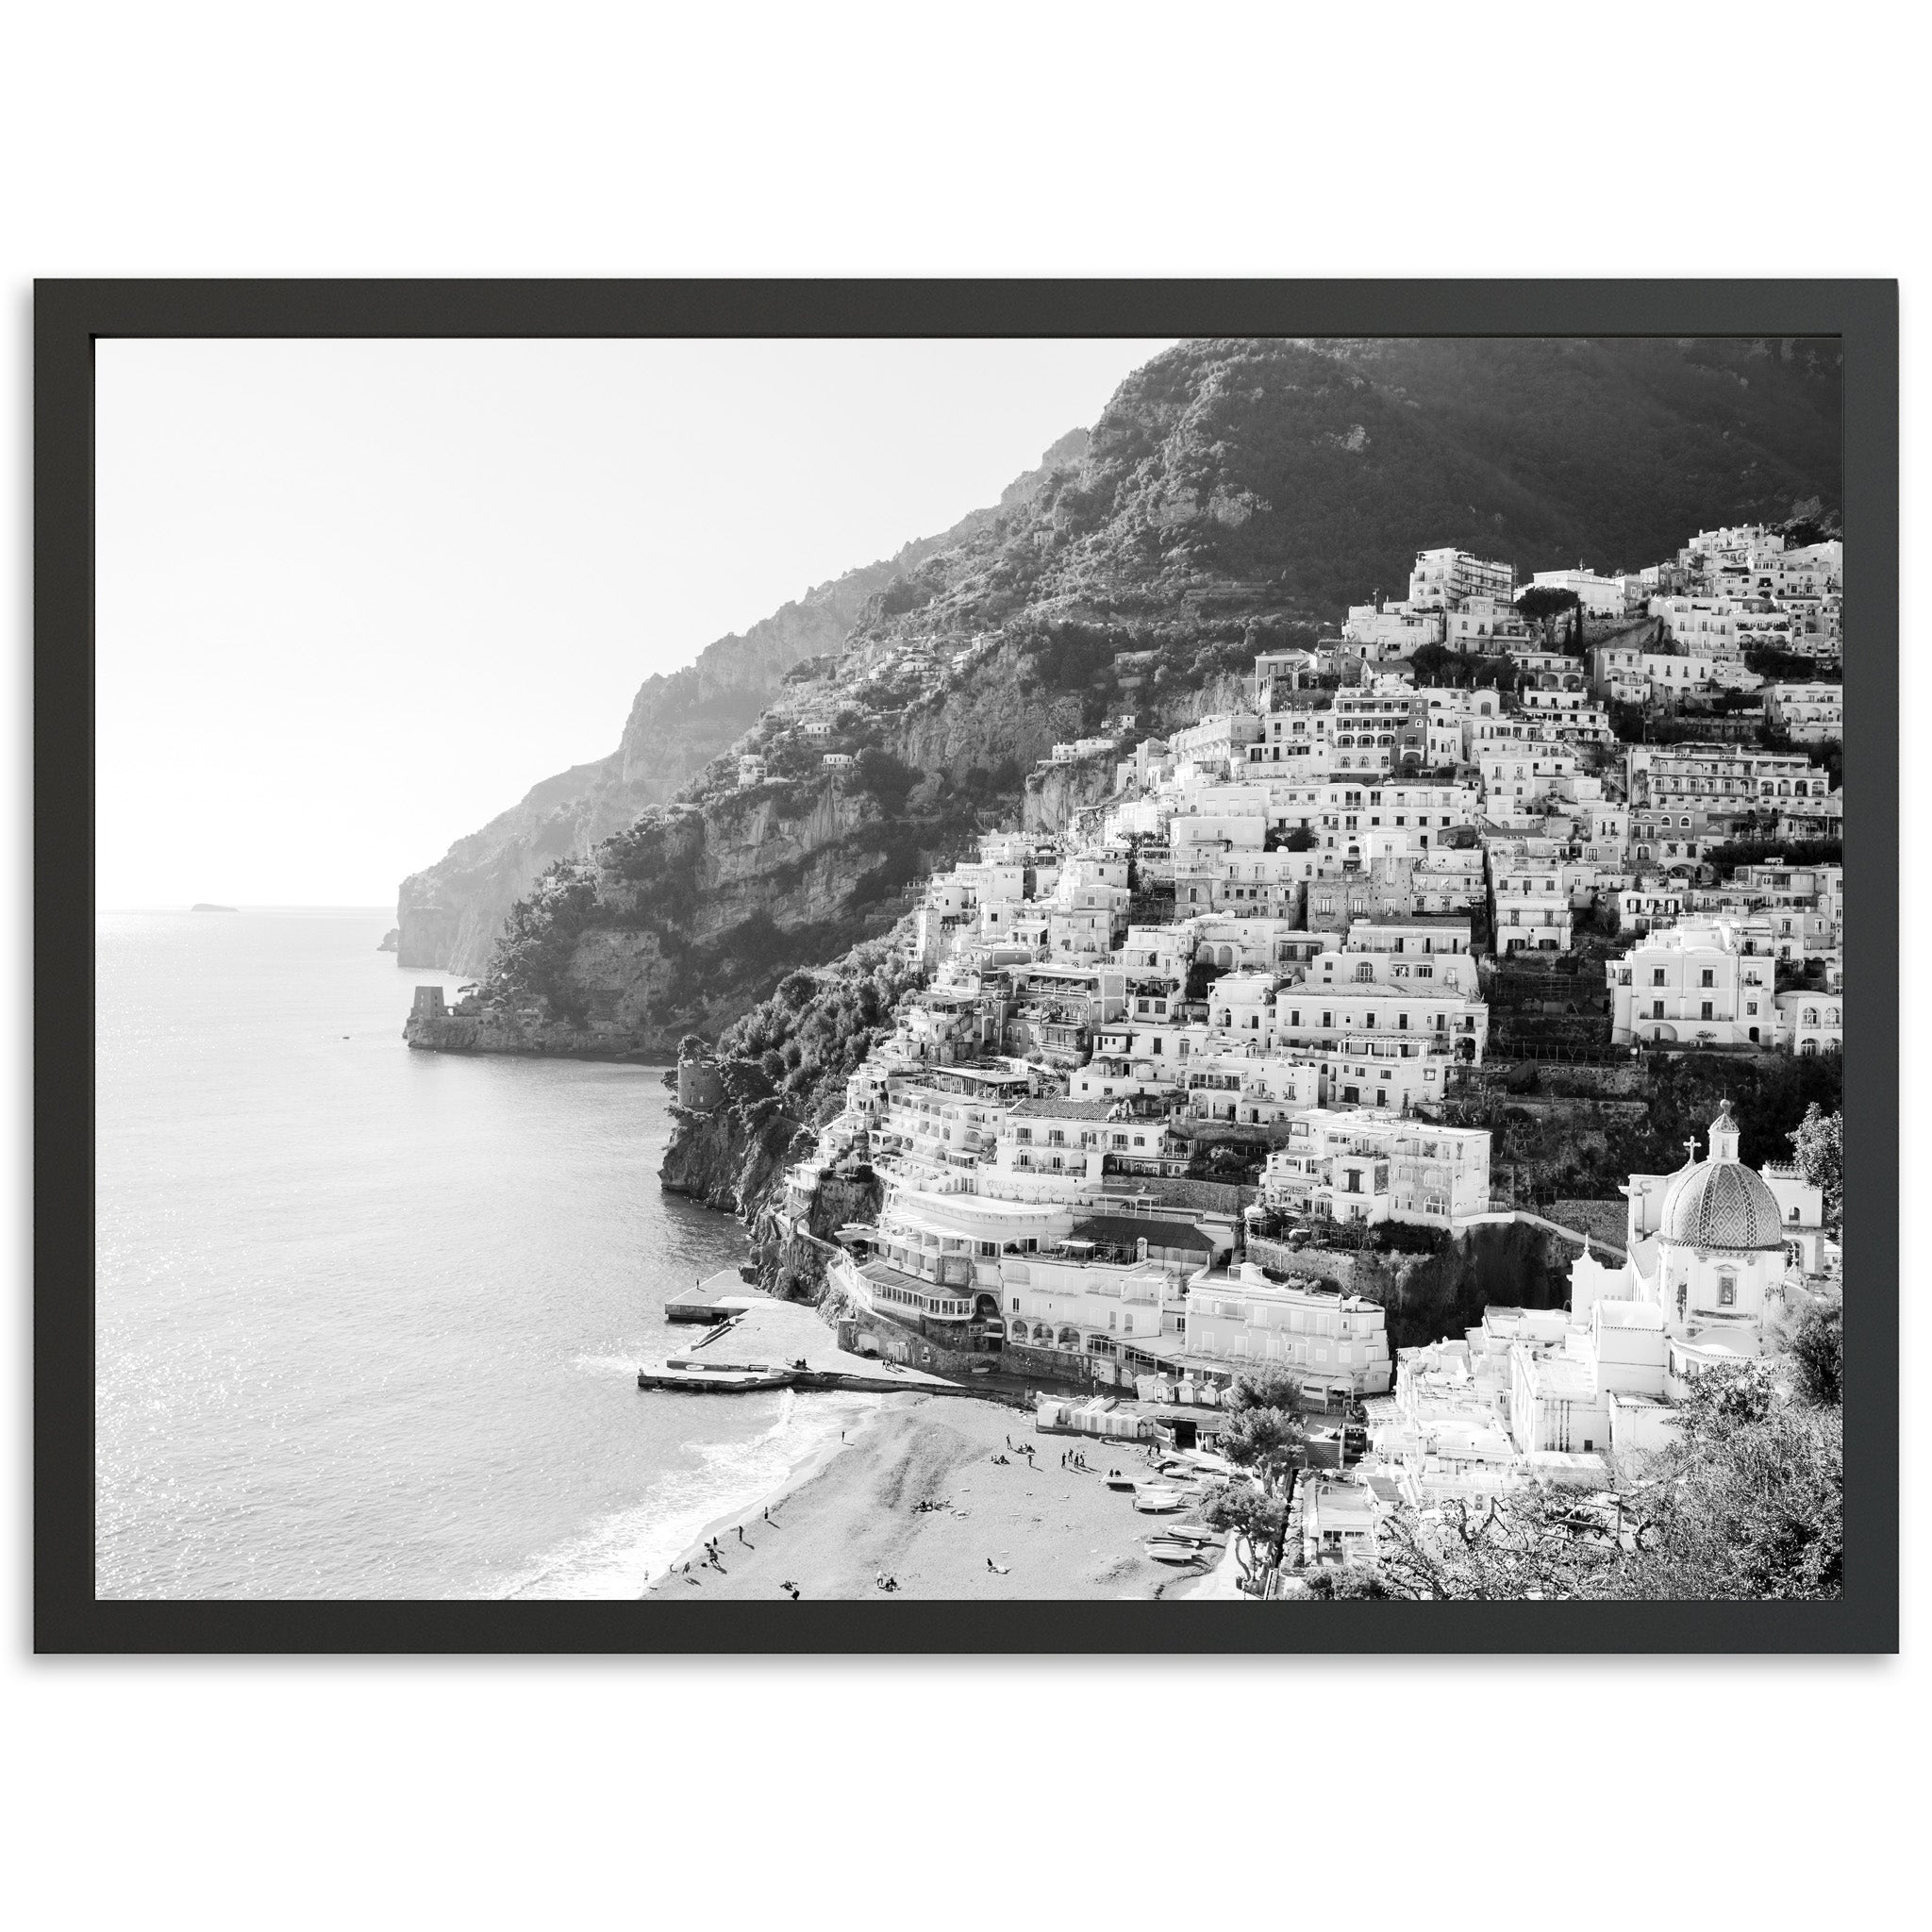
(1747, 1505)
(794, 1050)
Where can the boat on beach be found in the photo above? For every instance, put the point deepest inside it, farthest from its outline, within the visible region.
(731, 1378)
(1155, 1499)
(1177, 1550)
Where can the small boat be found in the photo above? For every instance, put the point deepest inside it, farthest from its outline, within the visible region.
(1190, 1534)
(1165, 1552)
(1156, 1499)
(1121, 1482)
(731, 1378)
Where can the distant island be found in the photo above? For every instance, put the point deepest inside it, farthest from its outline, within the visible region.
(203, 905)
(389, 940)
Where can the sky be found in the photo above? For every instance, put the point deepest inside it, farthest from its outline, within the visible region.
(354, 598)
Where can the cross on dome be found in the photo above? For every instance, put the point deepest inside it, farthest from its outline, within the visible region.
(1690, 1148)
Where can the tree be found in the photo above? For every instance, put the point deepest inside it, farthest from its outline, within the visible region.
(1530, 1544)
(1259, 1523)
(1818, 1353)
(1818, 1146)
(1747, 1503)
(1542, 604)
(1427, 663)
(1263, 1435)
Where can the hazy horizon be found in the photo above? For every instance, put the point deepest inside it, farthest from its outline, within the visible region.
(354, 598)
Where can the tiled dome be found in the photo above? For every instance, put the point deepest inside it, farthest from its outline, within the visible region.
(1723, 1204)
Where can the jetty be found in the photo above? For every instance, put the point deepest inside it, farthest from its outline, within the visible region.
(716, 1298)
(778, 1340)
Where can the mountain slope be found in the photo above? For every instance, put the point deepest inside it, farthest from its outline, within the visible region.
(449, 914)
(1231, 494)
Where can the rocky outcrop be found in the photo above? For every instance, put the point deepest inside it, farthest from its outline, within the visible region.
(387, 943)
(792, 1264)
(732, 1158)
(1056, 794)
(502, 1029)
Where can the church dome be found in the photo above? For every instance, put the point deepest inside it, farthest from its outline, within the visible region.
(1721, 1203)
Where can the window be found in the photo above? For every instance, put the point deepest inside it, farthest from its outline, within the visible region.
(1656, 976)
(1707, 977)
(1705, 1013)
(1726, 1290)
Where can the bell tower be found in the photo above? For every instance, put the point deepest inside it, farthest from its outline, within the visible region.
(1723, 1135)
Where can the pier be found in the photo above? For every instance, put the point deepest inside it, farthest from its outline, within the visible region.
(716, 1298)
(757, 1327)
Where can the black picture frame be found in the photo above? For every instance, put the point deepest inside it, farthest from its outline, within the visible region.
(70, 316)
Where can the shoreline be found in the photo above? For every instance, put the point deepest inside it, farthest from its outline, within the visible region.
(813, 1463)
(939, 1498)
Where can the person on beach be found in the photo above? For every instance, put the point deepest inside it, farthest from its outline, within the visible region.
(741, 1532)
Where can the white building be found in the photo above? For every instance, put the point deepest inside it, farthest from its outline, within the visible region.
(1809, 1021)
(1395, 630)
(1366, 1164)
(1707, 1256)
(1601, 596)
(1335, 1345)
(1805, 713)
(1532, 910)
(1447, 579)
(1704, 980)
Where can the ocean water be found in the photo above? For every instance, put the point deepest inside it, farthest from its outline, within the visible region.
(369, 1320)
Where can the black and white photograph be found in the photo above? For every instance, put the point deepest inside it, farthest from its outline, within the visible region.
(1206, 971)
(936, 994)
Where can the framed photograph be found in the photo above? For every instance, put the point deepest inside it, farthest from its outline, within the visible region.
(966, 966)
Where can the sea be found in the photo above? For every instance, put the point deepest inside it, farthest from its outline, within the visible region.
(369, 1321)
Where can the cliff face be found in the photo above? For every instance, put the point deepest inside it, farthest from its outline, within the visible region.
(450, 913)
(1231, 494)
(1056, 794)
(728, 1161)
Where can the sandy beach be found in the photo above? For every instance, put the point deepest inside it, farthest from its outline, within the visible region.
(837, 1526)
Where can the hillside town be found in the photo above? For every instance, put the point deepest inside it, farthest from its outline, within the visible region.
(1180, 1062)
